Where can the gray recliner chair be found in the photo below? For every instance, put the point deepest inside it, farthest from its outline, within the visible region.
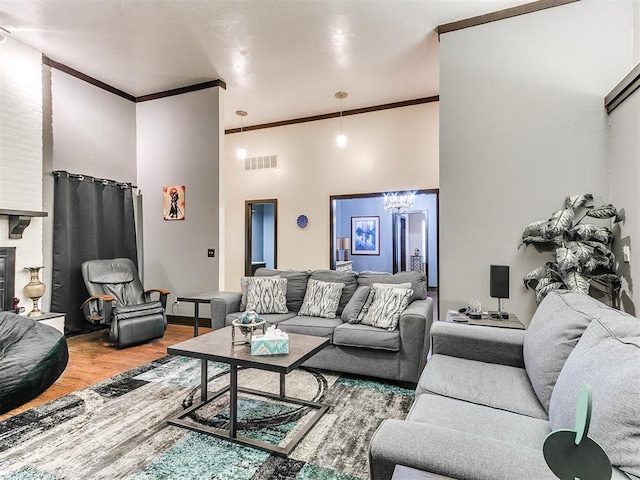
(119, 300)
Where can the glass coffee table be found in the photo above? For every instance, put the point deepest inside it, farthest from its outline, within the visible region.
(216, 346)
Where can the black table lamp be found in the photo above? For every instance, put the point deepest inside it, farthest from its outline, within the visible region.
(499, 288)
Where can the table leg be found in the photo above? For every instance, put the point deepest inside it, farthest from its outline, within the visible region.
(282, 385)
(203, 380)
(233, 401)
(196, 313)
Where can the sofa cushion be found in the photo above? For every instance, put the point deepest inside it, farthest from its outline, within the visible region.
(479, 420)
(552, 334)
(388, 304)
(296, 284)
(607, 358)
(417, 279)
(321, 299)
(267, 295)
(490, 384)
(356, 335)
(316, 326)
(353, 308)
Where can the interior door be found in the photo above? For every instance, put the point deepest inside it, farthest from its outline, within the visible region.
(399, 242)
(261, 236)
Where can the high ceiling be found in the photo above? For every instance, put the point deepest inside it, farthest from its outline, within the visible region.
(280, 59)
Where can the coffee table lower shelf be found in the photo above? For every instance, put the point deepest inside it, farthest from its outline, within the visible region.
(231, 434)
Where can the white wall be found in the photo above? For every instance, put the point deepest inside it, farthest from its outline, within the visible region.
(179, 144)
(625, 178)
(387, 150)
(21, 153)
(636, 32)
(94, 131)
(89, 131)
(522, 125)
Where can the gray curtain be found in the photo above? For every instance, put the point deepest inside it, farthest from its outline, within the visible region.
(93, 219)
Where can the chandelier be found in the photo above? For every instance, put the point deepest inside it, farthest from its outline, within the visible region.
(398, 202)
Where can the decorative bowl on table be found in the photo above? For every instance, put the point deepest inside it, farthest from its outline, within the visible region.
(248, 322)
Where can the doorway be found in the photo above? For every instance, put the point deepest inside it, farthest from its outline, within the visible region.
(411, 241)
(261, 235)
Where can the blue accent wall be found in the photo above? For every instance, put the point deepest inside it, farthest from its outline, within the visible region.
(373, 206)
(268, 234)
(257, 233)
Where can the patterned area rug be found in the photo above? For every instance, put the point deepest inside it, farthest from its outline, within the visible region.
(118, 428)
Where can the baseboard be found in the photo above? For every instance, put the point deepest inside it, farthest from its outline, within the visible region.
(181, 320)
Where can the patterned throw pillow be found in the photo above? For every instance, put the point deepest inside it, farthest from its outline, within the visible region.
(321, 299)
(244, 288)
(267, 295)
(388, 304)
(372, 292)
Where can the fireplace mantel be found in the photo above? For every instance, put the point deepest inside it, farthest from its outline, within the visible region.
(19, 220)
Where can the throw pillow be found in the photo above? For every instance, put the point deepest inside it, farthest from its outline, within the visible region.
(388, 304)
(554, 331)
(372, 292)
(353, 308)
(349, 278)
(607, 358)
(418, 281)
(244, 288)
(321, 299)
(267, 295)
(296, 284)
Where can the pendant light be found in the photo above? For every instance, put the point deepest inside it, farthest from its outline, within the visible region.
(242, 153)
(341, 139)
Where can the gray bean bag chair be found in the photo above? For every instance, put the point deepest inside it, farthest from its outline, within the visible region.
(32, 357)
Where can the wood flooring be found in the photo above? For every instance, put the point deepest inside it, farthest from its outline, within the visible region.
(92, 359)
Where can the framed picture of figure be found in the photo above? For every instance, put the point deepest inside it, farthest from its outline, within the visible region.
(365, 235)
(173, 202)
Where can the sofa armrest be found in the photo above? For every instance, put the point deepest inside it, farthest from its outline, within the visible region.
(223, 303)
(415, 327)
(484, 344)
(452, 453)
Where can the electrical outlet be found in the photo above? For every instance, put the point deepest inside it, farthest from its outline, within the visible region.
(211, 252)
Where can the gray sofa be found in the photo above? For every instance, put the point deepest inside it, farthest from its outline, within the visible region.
(489, 396)
(355, 348)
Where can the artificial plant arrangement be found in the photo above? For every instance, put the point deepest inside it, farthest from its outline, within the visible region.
(583, 254)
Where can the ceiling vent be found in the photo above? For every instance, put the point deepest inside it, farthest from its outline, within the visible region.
(261, 163)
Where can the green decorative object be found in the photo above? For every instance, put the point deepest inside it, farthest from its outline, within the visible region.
(583, 255)
(571, 454)
(249, 317)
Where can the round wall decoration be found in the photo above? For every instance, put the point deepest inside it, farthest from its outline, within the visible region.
(302, 221)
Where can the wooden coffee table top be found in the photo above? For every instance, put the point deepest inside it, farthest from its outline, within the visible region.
(216, 346)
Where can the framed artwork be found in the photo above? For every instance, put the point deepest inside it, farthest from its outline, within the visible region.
(365, 235)
(173, 202)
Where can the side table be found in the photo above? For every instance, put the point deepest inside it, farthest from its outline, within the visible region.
(196, 299)
(453, 316)
(53, 319)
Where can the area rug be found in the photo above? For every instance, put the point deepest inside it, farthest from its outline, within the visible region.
(118, 428)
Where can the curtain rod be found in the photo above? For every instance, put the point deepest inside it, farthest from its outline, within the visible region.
(81, 177)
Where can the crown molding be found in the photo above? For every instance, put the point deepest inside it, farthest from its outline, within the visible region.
(152, 96)
(501, 15)
(325, 116)
(623, 90)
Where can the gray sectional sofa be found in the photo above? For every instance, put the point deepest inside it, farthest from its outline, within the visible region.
(355, 348)
(488, 397)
